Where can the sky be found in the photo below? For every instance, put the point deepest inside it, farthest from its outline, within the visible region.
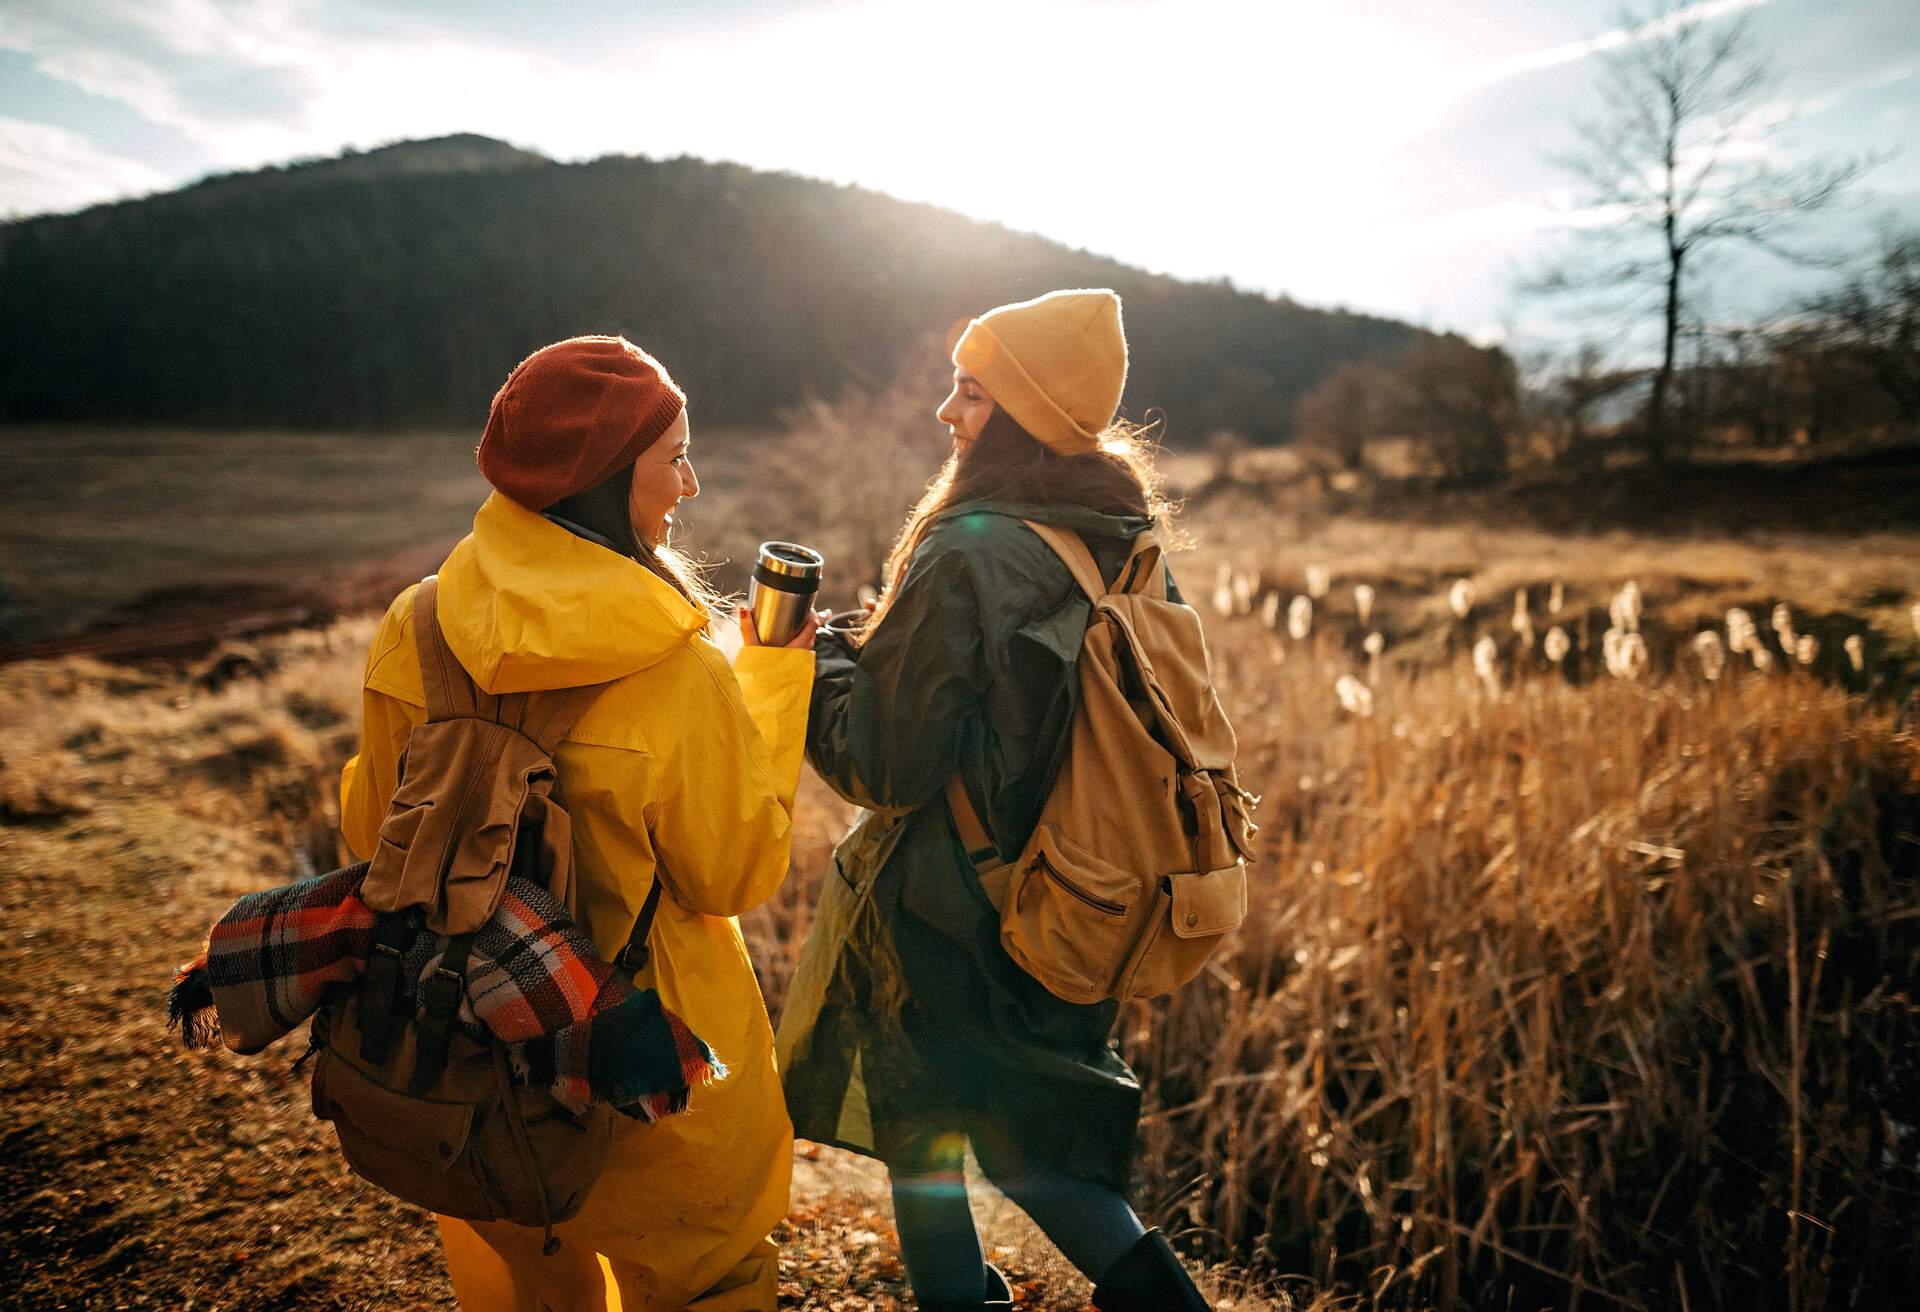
(1393, 156)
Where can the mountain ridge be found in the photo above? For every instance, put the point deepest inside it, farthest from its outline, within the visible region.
(396, 286)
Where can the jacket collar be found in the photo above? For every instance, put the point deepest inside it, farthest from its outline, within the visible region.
(1082, 520)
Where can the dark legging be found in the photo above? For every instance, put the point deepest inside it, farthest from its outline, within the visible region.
(1089, 1223)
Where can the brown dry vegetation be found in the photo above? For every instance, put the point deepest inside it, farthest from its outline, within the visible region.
(141, 802)
(1579, 993)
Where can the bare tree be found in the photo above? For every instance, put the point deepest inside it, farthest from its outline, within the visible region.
(1344, 410)
(1670, 162)
(1876, 317)
(1569, 401)
(1459, 402)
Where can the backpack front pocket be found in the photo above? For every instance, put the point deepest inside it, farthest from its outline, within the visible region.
(417, 1148)
(1070, 920)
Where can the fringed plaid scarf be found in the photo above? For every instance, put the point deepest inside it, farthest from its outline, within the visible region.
(273, 960)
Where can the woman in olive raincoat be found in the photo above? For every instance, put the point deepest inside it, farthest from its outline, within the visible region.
(683, 771)
(908, 1032)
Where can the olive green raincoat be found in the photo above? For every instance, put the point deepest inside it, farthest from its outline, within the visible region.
(906, 1021)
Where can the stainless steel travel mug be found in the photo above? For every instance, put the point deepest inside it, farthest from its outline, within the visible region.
(786, 577)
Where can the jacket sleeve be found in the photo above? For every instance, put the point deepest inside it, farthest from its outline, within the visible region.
(368, 780)
(892, 722)
(722, 814)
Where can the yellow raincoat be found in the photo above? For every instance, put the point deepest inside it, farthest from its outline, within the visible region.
(684, 770)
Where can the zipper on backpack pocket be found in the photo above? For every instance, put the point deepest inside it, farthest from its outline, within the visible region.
(1106, 906)
(1143, 937)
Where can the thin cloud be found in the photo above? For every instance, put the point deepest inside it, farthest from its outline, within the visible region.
(46, 168)
(1573, 52)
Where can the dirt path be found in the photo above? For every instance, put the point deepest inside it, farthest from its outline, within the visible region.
(133, 809)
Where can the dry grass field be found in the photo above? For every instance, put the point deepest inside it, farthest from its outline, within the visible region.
(1575, 983)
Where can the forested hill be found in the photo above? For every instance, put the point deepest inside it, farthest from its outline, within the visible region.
(397, 288)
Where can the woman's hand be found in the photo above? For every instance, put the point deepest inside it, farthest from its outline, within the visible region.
(801, 641)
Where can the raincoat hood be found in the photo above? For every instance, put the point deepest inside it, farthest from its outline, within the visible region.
(526, 605)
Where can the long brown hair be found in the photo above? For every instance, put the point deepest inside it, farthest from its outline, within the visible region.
(601, 510)
(1007, 463)
(686, 576)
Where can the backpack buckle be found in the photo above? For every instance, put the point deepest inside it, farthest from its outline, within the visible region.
(441, 994)
(634, 957)
(380, 994)
(442, 991)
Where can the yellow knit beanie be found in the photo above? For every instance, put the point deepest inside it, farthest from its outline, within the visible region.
(1057, 364)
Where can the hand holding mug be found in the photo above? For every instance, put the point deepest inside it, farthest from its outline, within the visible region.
(801, 641)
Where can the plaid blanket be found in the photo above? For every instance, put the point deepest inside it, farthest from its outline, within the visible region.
(532, 975)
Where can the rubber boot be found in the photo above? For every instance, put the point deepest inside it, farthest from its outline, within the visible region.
(999, 1296)
(1149, 1278)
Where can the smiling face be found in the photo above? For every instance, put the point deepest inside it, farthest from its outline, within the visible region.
(663, 477)
(966, 410)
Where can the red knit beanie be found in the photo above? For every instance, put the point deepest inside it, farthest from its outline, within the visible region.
(573, 414)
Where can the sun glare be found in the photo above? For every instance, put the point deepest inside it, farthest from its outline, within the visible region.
(1197, 139)
(1115, 124)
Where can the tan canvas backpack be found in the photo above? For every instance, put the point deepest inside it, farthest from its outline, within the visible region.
(1137, 868)
(422, 1109)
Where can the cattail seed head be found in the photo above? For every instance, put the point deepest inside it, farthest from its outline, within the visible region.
(1460, 597)
(1741, 633)
(1355, 697)
(1374, 644)
(1522, 620)
(1632, 655)
(1270, 610)
(1856, 649)
(1556, 597)
(1319, 579)
(1712, 653)
(1625, 609)
(1806, 648)
(1299, 618)
(1486, 655)
(1363, 602)
(1557, 644)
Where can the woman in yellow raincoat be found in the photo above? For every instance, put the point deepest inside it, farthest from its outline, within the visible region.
(683, 771)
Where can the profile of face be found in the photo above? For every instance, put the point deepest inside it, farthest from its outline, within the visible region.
(663, 477)
(966, 410)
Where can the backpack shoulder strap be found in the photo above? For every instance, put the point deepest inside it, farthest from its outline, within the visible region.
(1072, 550)
(450, 692)
(981, 853)
(554, 713)
(635, 954)
(1142, 575)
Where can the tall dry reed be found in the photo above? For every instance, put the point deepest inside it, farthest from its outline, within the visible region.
(1577, 996)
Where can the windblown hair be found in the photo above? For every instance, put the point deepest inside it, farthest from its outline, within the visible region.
(686, 576)
(601, 512)
(1007, 463)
